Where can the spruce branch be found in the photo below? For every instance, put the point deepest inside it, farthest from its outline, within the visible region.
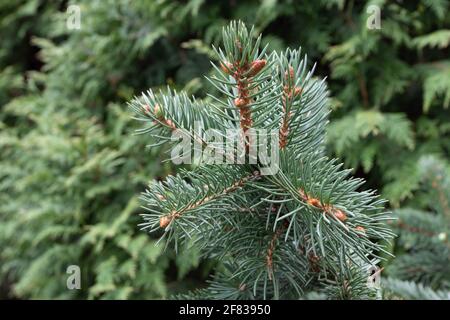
(184, 203)
(305, 228)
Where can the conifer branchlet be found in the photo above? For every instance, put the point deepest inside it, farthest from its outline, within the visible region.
(280, 235)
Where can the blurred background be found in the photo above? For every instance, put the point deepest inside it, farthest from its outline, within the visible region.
(72, 170)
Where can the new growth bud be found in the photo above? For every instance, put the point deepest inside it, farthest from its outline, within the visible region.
(158, 112)
(256, 67)
(226, 67)
(164, 221)
(361, 229)
(240, 102)
(340, 215)
(314, 202)
(289, 76)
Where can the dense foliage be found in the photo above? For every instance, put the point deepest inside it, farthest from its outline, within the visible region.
(70, 169)
(421, 269)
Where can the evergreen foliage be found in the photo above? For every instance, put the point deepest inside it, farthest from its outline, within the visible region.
(304, 228)
(70, 170)
(412, 291)
(69, 166)
(404, 67)
(423, 248)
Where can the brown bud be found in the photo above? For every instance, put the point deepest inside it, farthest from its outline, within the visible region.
(164, 221)
(361, 229)
(240, 102)
(302, 194)
(146, 108)
(313, 258)
(226, 67)
(157, 110)
(160, 197)
(170, 124)
(256, 67)
(298, 91)
(314, 202)
(314, 262)
(289, 76)
(340, 215)
(292, 92)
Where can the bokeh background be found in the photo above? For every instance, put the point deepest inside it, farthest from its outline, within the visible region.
(72, 170)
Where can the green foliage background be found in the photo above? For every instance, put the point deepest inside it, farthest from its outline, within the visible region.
(71, 168)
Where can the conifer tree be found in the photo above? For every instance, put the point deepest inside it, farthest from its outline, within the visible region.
(422, 267)
(302, 230)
